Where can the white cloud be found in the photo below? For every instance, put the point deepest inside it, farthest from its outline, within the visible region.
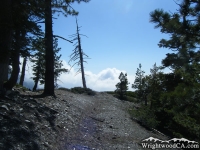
(105, 80)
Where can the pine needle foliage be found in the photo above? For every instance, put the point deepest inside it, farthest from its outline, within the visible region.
(122, 86)
(39, 63)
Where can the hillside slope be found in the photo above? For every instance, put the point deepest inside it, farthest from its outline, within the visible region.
(68, 122)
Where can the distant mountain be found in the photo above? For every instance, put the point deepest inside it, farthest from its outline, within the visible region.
(153, 139)
(182, 140)
(167, 141)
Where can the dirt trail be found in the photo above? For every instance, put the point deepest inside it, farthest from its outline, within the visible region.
(68, 122)
(105, 125)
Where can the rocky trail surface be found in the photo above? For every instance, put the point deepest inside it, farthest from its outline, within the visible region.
(68, 122)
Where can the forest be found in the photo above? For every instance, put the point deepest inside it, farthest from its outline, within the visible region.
(169, 102)
(22, 36)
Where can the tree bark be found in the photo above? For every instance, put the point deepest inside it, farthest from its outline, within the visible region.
(36, 83)
(5, 39)
(82, 68)
(21, 82)
(15, 63)
(81, 59)
(49, 54)
(37, 75)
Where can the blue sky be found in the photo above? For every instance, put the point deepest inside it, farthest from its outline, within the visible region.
(120, 37)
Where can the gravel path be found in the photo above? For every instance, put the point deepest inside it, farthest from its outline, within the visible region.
(105, 125)
(68, 122)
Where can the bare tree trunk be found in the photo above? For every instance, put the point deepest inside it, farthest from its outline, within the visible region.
(37, 75)
(81, 59)
(36, 83)
(23, 71)
(15, 64)
(82, 68)
(49, 54)
(5, 39)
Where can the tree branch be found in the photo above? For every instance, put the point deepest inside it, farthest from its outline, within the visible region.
(62, 38)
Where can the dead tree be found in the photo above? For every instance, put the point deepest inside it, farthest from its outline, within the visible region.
(23, 71)
(78, 55)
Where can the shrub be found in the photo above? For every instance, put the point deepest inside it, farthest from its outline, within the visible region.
(21, 87)
(64, 89)
(145, 116)
(80, 90)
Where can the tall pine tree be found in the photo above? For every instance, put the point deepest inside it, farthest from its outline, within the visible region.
(182, 104)
(39, 63)
(5, 39)
(122, 86)
(139, 84)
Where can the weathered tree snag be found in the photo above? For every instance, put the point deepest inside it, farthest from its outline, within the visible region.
(21, 82)
(49, 54)
(5, 39)
(81, 59)
(78, 54)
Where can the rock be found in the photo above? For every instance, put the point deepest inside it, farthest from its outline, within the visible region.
(4, 106)
(57, 123)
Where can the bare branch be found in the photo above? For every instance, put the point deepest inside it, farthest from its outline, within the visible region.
(62, 38)
(83, 35)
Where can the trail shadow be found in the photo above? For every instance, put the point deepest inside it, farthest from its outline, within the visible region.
(42, 95)
(13, 133)
(18, 117)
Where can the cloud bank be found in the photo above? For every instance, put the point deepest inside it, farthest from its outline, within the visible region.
(105, 80)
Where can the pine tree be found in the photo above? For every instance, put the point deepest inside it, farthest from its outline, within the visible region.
(183, 26)
(5, 39)
(58, 70)
(23, 27)
(154, 84)
(39, 63)
(139, 84)
(122, 86)
(49, 56)
(181, 102)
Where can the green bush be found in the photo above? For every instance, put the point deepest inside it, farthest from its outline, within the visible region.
(131, 99)
(130, 95)
(64, 89)
(21, 87)
(183, 107)
(145, 116)
(80, 90)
